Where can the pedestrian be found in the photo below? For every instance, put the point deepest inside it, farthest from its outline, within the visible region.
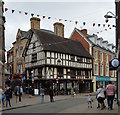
(7, 95)
(20, 90)
(1, 93)
(100, 96)
(16, 92)
(51, 94)
(110, 92)
(90, 100)
(42, 94)
(72, 91)
(3, 98)
(10, 91)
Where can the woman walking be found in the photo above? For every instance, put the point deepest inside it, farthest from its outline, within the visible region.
(101, 96)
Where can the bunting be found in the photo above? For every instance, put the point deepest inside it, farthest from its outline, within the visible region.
(76, 22)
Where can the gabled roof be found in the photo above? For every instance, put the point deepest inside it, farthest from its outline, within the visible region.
(68, 47)
(89, 41)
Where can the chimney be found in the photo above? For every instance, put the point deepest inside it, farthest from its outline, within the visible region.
(35, 23)
(59, 29)
(84, 32)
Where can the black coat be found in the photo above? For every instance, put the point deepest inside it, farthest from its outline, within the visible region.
(51, 92)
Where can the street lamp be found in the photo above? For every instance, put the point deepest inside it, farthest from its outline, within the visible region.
(107, 16)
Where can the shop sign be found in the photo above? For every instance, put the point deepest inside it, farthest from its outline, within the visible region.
(102, 78)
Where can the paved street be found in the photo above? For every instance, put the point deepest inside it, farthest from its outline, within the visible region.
(63, 104)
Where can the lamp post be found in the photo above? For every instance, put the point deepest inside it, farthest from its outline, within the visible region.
(117, 17)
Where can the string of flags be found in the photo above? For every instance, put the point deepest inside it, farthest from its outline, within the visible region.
(48, 17)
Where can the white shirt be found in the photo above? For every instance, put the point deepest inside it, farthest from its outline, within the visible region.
(100, 93)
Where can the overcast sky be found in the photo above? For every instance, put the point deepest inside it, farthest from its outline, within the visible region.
(82, 11)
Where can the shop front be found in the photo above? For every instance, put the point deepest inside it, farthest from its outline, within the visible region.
(102, 81)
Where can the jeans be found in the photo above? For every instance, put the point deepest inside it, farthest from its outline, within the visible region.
(3, 101)
(42, 98)
(110, 100)
(8, 100)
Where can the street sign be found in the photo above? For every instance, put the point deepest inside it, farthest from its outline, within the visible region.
(57, 79)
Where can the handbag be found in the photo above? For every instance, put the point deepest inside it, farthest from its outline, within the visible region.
(98, 93)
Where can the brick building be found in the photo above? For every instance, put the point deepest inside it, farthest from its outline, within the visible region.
(102, 53)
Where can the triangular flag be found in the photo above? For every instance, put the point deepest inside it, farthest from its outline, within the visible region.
(110, 28)
(84, 23)
(6, 9)
(49, 17)
(20, 12)
(43, 17)
(108, 25)
(98, 25)
(26, 13)
(65, 20)
(76, 22)
(32, 15)
(105, 29)
(59, 19)
(97, 32)
(38, 15)
(13, 11)
(93, 24)
(57, 43)
(103, 25)
(75, 39)
(70, 20)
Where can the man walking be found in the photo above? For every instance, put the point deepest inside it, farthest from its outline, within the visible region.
(110, 92)
(42, 94)
(51, 94)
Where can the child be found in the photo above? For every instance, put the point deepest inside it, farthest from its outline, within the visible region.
(90, 100)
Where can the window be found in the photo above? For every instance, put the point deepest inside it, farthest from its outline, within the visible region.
(34, 45)
(78, 73)
(106, 58)
(60, 72)
(101, 56)
(101, 69)
(17, 54)
(95, 54)
(73, 73)
(106, 70)
(111, 73)
(40, 72)
(96, 69)
(72, 58)
(34, 57)
(79, 59)
(21, 51)
(19, 68)
(88, 60)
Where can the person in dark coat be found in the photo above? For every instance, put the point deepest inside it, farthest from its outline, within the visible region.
(51, 94)
(7, 95)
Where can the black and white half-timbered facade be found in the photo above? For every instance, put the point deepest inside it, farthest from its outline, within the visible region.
(48, 56)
